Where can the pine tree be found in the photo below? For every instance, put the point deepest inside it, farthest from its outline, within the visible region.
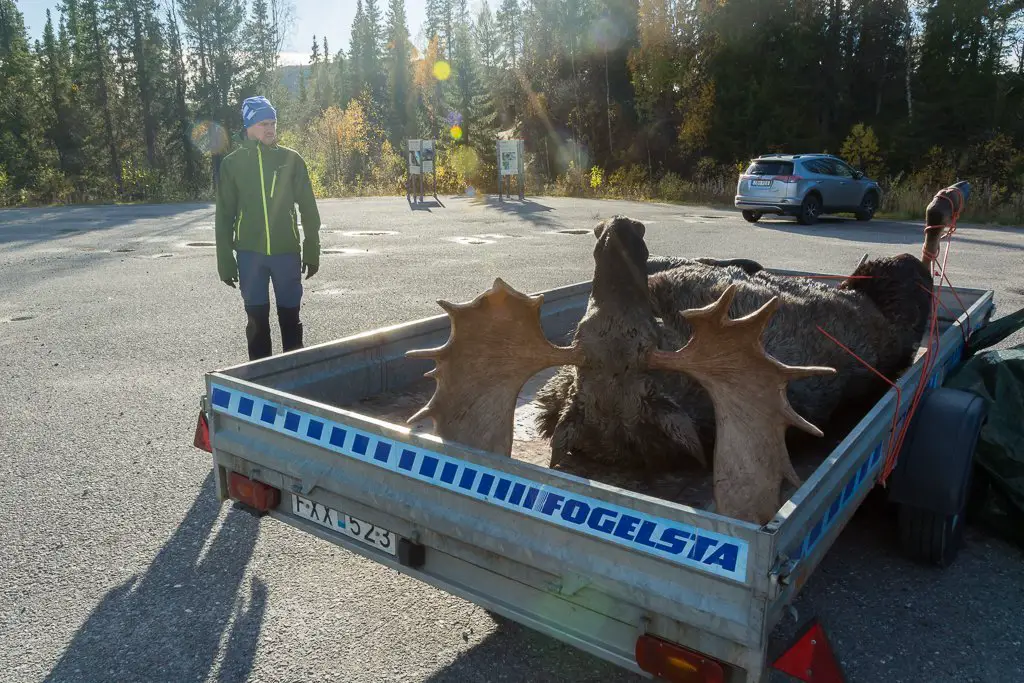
(401, 110)
(213, 29)
(96, 69)
(260, 39)
(177, 113)
(62, 126)
(324, 81)
(358, 68)
(137, 32)
(20, 134)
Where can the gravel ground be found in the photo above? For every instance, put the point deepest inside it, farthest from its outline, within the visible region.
(118, 564)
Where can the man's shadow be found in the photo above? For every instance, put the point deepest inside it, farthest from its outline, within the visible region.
(168, 624)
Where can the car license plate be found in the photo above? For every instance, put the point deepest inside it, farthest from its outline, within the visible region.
(352, 527)
(761, 183)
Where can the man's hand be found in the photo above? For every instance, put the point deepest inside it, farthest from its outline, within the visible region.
(310, 269)
(230, 282)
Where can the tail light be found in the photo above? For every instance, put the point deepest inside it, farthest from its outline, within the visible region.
(788, 178)
(201, 439)
(255, 494)
(674, 663)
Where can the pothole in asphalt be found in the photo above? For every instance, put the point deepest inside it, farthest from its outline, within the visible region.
(711, 218)
(20, 318)
(124, 250)
(333, 292)
(365, 233)
(163, 255)
(346, 252)
(471, 240)
(200, 244)
(573, 231)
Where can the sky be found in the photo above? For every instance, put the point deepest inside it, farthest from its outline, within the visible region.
(332, 18)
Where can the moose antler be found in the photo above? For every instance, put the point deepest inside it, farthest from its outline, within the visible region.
(496, 344)
(748, 390)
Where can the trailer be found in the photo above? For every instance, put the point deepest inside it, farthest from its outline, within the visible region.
(645, 577)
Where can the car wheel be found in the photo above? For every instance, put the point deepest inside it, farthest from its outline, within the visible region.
(810, 210)
(868, 206)
(751, 216)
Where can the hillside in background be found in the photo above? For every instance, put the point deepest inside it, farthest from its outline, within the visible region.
(290, 75)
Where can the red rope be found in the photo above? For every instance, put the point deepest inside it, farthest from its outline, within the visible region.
(949, 229)
(965, 331)
(896, 438)
(931, 353)
(899, 392)
(930, 356)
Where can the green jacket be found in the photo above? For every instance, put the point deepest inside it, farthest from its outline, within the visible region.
(258, 189)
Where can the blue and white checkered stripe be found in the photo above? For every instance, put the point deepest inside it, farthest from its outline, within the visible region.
(718, 554)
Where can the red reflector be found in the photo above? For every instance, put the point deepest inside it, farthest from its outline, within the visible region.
(810, 658)
(788, 178)
(202, 435)
(676, 664)
(255, 494)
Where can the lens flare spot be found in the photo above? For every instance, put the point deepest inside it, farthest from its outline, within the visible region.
(456, 132)
(442, 70)
(209, 137)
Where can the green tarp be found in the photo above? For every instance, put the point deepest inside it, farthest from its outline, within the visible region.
(997, 375)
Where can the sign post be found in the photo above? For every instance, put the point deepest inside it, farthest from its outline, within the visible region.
(510, 163)
(420, 156)
(427, 159)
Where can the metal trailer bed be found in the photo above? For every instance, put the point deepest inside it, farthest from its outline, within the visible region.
(597, 566)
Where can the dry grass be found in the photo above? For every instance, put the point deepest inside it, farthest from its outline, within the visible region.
(381, 172)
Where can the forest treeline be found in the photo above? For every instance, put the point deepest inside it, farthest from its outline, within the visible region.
(138, 100)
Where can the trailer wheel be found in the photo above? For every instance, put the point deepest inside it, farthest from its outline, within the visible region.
(930, 537)
(932, 479)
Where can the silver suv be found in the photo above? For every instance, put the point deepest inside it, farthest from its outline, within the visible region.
(805, 186)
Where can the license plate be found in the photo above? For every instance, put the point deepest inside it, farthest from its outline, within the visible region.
(352, 527)
(761, 183)
(371, 535)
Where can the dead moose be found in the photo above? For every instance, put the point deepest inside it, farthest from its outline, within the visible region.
(678, 359)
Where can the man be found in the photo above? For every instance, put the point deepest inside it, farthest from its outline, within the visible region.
(260, 184)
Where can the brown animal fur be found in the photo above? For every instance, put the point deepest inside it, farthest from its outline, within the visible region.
(612, 410)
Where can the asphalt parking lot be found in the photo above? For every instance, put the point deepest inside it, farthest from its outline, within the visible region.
(119, 565)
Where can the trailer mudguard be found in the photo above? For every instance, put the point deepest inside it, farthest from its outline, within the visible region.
(932, 472)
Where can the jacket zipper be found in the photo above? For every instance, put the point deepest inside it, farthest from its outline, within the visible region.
(263, 193)
(273, 184)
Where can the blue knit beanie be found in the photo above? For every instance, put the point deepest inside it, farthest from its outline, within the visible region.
(256, 109)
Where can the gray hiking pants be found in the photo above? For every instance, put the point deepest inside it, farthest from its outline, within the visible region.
(256, 271)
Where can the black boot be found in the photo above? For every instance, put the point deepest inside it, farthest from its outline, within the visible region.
(291, 328)
(257, 331)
